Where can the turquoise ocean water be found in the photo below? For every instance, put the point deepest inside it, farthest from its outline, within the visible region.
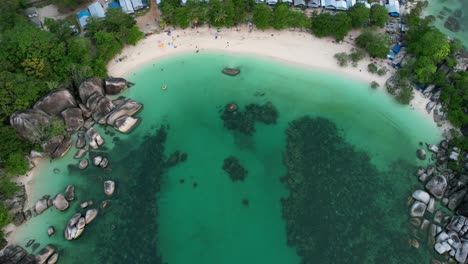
(447, 7)
(193, 212)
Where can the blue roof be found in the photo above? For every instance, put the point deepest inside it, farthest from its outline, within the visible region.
(83, 14)
(397, 48)
(83, 18)
(114, 4)
(96, 10)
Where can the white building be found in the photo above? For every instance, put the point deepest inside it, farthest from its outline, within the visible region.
(96, 10)
(127, 6)
(314, 3)
(393, 7)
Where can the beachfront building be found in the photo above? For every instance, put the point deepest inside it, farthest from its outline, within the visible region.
(290, 2)
(271, 2)
(259, 1)
(299, 3)
(393, 7)
(183, 2)
(96, 10)
(329, 4)
(126, 6)
(137, 4)
(83, 18)
(314, 3)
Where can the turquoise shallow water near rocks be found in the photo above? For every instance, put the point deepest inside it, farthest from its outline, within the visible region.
(442, 9)
(193, 212)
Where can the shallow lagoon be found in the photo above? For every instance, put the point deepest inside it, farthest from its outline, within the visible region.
(197, 215)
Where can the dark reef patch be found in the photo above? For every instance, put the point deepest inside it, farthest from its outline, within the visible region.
(339, 204)
(244, 121)
(235, 170)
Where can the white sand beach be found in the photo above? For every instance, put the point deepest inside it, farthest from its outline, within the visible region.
(288, 46)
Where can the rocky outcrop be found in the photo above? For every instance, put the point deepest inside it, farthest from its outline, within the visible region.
(62, 148)
(114, 86)
(70, 193)
(421, 154)
(88, 87)
(13, 254)
(55, 102)
(41, 205)
(45, 253)
(30, 124)
(102, 109)
(73, 118)
(60, 202)
(83, 164)
(436, 186)
(109, 187)
(125, 124)
(128, 107)
(50, 231)
(95, 139)
(90, 215)
(80, 140)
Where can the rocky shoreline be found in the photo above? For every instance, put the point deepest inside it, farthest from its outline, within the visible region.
(50, 124)
(446, 185)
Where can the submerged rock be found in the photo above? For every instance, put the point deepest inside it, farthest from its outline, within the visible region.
(234, 169)
(421, 153)
(231, 71)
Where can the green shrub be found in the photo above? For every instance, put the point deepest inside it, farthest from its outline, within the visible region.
(342, 59)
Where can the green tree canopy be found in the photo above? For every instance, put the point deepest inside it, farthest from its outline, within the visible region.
(262, 16)
(374, 43)
(336, 26)
(424, 69)
(281, 16)
(359, 15)
(378, 15)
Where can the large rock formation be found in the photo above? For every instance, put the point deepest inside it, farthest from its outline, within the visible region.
(125, 124)
(115, 85)
(60, 202)
(62, 148)
(128, 107)
(30, 124)
(88, 87)
(45, 253)
(73, 118)
(55, 102)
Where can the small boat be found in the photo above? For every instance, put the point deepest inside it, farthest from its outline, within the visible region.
(231, 71)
